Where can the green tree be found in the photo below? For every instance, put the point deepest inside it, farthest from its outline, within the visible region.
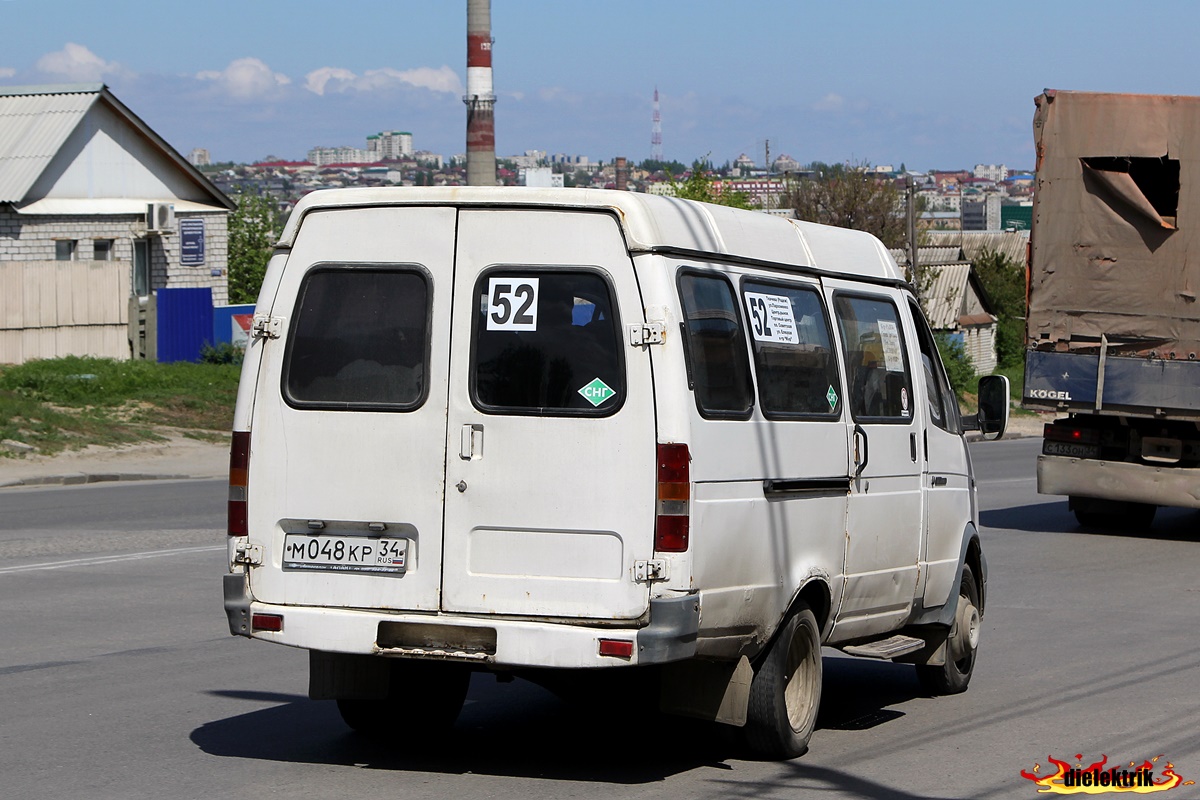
(846, 196)
(253, 227)
(1003, 281)
(958, 365)
(699, 186)
(673, 167)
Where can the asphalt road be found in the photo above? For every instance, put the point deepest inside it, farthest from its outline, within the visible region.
(118, 678)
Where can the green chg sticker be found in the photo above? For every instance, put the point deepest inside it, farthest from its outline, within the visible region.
(831, 396)
(597, 392)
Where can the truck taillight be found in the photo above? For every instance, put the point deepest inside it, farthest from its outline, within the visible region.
(239, 471)
(1065, 433)
(674, 493)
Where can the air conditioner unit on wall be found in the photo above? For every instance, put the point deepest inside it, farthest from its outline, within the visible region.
(160, 218)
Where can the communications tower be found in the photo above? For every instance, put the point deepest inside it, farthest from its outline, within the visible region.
(656, 131)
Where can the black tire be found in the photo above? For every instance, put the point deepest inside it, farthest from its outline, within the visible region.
(785, 692)
(1112, 515)
(954, 676)
(423, 699)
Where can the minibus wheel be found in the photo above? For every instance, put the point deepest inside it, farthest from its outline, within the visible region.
(961, 647)
(786, 690)
(423, 699)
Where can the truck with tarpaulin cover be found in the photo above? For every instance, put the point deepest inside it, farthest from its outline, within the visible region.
(1113, 326)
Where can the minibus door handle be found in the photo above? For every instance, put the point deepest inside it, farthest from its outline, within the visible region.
(470, 442)
(860, 450)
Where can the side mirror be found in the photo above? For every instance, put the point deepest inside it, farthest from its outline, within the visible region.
(993, 405)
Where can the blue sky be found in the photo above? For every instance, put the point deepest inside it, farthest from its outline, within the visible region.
(931, 85)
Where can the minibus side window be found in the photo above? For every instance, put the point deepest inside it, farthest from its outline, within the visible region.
(716, 348)
(943, 405)
(876, 365)
(359, 340)
(797, 370)
(546, 342)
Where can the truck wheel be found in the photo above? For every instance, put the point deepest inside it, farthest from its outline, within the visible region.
(423, 699)
(962, 645)
(786, 690)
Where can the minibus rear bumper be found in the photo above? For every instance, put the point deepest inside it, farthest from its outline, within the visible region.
(669, 636)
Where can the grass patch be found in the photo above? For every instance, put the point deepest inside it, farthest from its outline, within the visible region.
(68, 403)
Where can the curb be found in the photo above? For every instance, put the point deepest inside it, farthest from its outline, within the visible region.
(79, 478)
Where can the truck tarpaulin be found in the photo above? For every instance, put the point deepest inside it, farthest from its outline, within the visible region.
(1116, 221)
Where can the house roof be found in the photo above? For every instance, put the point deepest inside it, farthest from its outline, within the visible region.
(941, 254)
(1011, 244)
(944, 292)
(35, 122)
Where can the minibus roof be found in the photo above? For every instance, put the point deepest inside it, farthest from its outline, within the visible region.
(650, 223)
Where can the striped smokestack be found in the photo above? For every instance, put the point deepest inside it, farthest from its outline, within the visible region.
(481, 121)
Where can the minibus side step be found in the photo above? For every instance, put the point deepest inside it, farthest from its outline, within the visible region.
(887, 649)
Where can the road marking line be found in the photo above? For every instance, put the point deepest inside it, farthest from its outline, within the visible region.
(96, 560)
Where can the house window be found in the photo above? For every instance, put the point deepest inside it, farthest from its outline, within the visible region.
(141, 267)
(102, 250)
(64, 250)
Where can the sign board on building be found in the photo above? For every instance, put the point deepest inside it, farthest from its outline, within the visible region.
(191, 242)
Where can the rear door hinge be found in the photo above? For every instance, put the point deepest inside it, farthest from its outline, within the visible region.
(643, 334)
(649, 571)
(267, 327)
(248, 553)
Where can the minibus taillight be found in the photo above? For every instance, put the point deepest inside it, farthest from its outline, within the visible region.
(674, 492)
(239, 470)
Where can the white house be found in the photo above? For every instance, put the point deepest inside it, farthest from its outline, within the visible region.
(97, 212)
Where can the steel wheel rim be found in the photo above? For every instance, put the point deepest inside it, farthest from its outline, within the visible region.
(800, 682)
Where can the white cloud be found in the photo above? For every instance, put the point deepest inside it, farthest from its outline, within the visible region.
(560, 96)
(316, 80)
(830, 102)
(76, 63)
(7, 72)
(246, 79)
(835, 102)
(338, 80)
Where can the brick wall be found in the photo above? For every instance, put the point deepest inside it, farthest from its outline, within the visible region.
(32, 238)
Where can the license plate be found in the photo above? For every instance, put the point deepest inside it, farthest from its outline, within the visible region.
(344, 553)
(1071, 449)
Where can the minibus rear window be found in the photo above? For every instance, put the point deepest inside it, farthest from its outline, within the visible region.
(797, 369)
(359, 340)
(716, 350)
(546, 342)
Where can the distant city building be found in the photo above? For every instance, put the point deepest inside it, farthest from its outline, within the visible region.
(531, 158)
(1016, 216)
(949, 178)
(428, 159)
(743, 164)
(991, 172)
(540, 177)
(199, 157)
(574, 163)
(763, 194)
(786, 163)
(982, 215)
(393, 145)
(323, 156)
